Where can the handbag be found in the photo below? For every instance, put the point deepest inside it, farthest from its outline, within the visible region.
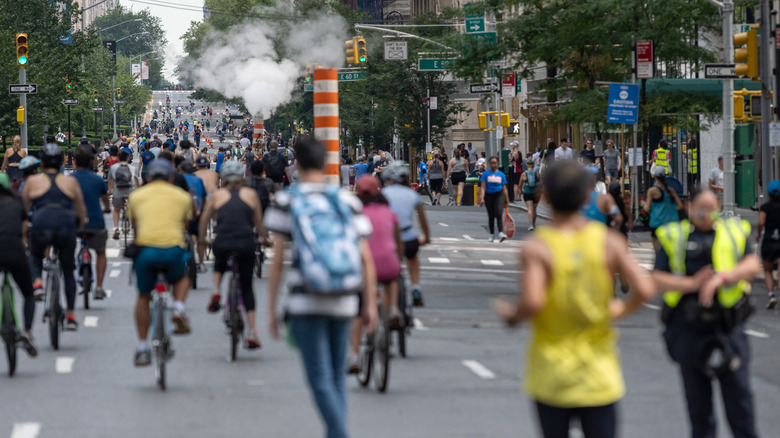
(132, 250)
(509, 224)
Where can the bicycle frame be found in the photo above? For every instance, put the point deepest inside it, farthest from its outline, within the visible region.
(9, 330)
(161, 344)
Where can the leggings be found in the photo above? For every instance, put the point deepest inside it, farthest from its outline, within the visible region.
(494, 202)
(596, 422)
(246, 264)
(19, 268)
(64, 239)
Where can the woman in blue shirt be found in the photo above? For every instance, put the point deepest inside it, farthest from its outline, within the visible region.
(493, 195)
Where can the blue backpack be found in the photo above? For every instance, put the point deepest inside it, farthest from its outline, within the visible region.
(327, 244)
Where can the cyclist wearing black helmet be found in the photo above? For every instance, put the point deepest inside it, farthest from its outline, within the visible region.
(52, 198)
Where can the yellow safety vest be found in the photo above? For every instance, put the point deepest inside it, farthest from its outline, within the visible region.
(728, 248)
(662, 159)
(693, 163)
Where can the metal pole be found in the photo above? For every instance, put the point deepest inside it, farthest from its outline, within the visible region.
(113, 84)
(428, 89)
(728, 113)
(766, 114)
(70, 155)
(637, 165)
(96, 136)
(23, 103)
(102, 134)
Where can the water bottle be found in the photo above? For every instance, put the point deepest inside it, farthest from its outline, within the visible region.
(153, 328)
(168, 321)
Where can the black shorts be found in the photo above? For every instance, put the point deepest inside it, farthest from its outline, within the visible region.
(770, 251)
(192, 227)
(436, 185)
(411, 248)
(530, 197)
(516, 179)
(458, 177)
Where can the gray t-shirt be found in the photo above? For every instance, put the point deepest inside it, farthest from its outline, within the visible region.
(611, 158)
(122, 191)
(716, 176)
(403, 201)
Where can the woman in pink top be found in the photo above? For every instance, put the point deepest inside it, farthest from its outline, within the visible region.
(386, 249)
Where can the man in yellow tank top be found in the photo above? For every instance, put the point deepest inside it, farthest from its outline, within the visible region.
(568, 292)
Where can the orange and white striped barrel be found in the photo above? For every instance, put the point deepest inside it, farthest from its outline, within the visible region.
(326, 118)
(259, 128)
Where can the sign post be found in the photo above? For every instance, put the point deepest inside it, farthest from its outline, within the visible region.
(508, 85)
(623, 107)
(645, 60)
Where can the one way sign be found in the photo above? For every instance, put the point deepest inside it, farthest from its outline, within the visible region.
(23, 89)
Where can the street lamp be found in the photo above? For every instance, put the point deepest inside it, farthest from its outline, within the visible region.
(117, 25)
(135, 34)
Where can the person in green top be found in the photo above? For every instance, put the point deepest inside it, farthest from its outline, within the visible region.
(567, 291)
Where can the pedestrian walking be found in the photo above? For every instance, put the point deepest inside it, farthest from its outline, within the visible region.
(612, 162)
(436, 177)
(564, 152)
(662, 204)
(768, 235)
(716, 179)
(422, 176)
(567, 292)
(516, 165)
(493, 195)
(332, 266)
(458, 166)
(530, 181)
(704, 267)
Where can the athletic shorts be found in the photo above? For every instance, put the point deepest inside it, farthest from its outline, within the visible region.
(411, 248)
(174, 257)
(770, 251)
(117, 200)
(96, 239)
(516, 179)
(458, 177)
(613, 173)
(436, 185)
(530, 197)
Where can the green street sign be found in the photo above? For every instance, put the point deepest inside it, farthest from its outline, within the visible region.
(486, 37)
(478, 43)
(435, 64)
(475, 25)
(308, 88)
(351, 76)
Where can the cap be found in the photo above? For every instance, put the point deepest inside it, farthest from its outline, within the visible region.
(28, 162)
(50, 138)
(659, 171)
(186, 167)
(202, 162)
(480, 162)
(160, 167)
(367, 186)
(774, 187)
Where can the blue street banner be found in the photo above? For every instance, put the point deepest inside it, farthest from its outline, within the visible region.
(623, 105)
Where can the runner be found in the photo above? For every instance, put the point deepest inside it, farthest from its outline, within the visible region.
(530, 182)
(458, 167)
(662, 203)
(436, 177)
(598, 206)
(567, 291)
(493, 196)
(768, 235)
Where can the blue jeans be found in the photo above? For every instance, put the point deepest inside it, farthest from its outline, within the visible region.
(323, 343)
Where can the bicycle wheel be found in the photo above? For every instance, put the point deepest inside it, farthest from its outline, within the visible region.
(235, 324)
(162, 345)
(55, 310)
(365, 359)
(192, 268)
(86, 284)
(9, 332)
(381, 353)
(259, 259)
(404, 317)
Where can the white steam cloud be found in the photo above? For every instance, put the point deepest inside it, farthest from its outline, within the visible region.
(245, 63)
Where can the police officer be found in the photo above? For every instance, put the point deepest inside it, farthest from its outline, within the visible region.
(661, 156)
(693, 163)
(704, 267)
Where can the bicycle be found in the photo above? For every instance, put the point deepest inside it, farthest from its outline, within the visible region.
(259, 259)
(374, 355)
(124, 220)
(209, 239)
(233, 318)
(407, 318)
(192, 264)
(53, 312)
(161, 328)
(9, 330)
(84, 268)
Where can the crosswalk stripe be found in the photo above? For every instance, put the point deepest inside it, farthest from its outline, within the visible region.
(492, 262)
(479, 369)
(114, 273)
(112, 252)
(90, 321)
(64, 365)
(449, 239)
(438, 260)
(443, 224)
(467, 237)
(26, 430)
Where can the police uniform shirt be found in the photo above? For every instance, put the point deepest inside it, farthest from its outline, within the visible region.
(698, 253)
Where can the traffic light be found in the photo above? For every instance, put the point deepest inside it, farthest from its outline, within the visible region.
(21, 49)
(351, 53)
(514, 128)
(746, 57)
(309, 74)
(20, 114)
(95, 98)
(482, 119)
(747, 105)
(362, 53)
(504, 120)
(68, 84)
(118, 93)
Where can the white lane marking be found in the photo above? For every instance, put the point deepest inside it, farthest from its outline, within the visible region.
(467, 237)
(26, 430)
(449, 239)
(108, 293)
(575, 432)
(114, 273)
(756, 334)
(651, 306)
(438, 260)
(418, 325)
(443, 224)
(112, 252)
(479, 369)
(492, 262)
(116, 264)
(90, 321)
(64, 365)
(479, 271)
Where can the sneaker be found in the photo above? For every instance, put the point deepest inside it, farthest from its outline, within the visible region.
(394, 319)
(202, 268)
(181, 322)
(501, 236)
(417, 298)
(214, 304)
(354, 368)
(99, 293)
(143, 358)
(70, 323)
(531, 228)
(28, 344)
(771, 303)
(38, 290)
(252, 341)
(492, 238)
(116, 233)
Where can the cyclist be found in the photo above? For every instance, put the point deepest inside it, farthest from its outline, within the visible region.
(768, 235)
(94, 190)
(159, 212)
(209, 177)
(237, 210)
(52, 197)
(29, 167)
(122, 181)
(199, 194)
(12, 217)
(146, 157)
(405, 202)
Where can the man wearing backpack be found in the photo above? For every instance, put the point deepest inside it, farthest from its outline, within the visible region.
(276, 167)
(333, 265)
(122, 181)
